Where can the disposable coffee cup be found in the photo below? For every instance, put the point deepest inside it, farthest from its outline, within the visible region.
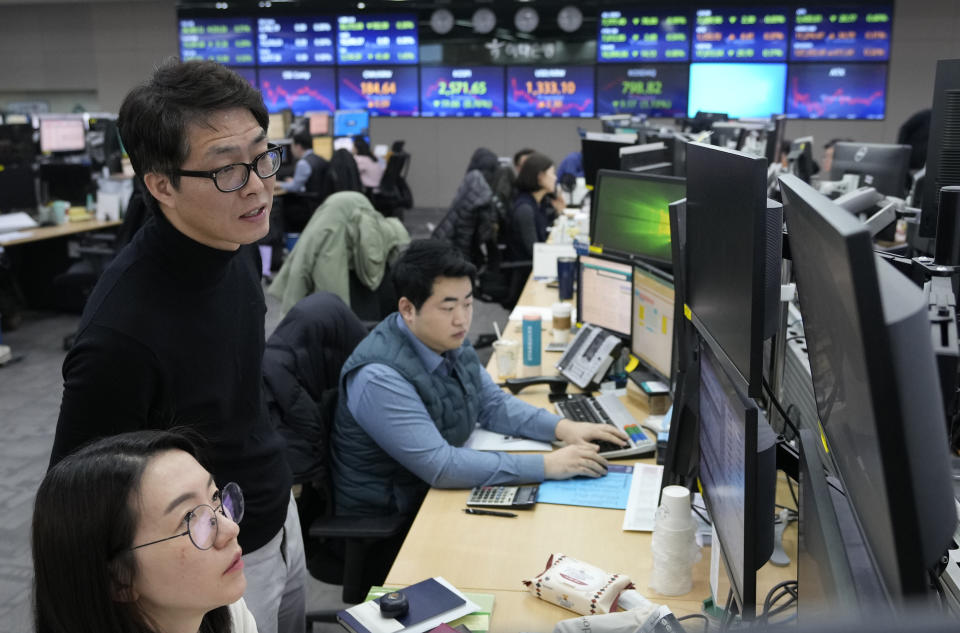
(507, 354)
(675, 508)
(561, 313)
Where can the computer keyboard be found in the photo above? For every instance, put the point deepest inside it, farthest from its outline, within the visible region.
(607, 409)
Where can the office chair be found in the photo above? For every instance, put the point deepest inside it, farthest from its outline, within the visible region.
(393, 197)
(301, 370)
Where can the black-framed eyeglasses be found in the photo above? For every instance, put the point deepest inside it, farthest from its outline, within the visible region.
(235, 175)
(202, 524)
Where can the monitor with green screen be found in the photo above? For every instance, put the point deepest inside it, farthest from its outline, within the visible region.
(630, 215)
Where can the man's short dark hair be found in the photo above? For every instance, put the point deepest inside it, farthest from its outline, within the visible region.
(529, 177)
(420, 265)
(303, 139)
(526, 151)
(154, 116)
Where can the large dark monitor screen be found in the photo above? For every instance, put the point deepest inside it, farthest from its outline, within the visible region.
(538, 91)
(447, 91)
(16, 143)
(381, 91)
(729, 425)
(651, 338)
(296, 40)
(63, 133)
(943, 151)
(741, 90)
(837, 91)
(656, 90)
(882, 166)
(228, 41)
(755, 34)
(733, 257)
(602, 151)
(876, 386)
(644, 35)
(842, 33)
(630, 215)
(366, 40)
(604, 288)
(301, 90)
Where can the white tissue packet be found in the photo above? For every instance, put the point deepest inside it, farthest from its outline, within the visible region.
(578, 586)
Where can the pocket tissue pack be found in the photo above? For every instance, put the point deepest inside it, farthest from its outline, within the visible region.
(578, 586)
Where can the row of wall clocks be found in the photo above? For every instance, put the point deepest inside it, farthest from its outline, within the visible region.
(526, 20)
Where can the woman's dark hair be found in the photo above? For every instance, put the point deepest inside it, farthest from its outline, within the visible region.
(529, 177)
(485, 161)
(526, 151)
(154, 116)
(362, 147)
(421, 264)
(303, 139)
(84, 521)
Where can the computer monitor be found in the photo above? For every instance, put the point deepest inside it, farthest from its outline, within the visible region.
(630, 214)
(63, 133)
(649, 158)
(738, 477)
(652, 316)
(604, 289)
(351, 123)
(319, 123)
(943, 151)
(278, 124)
(876, 386)
(602, 151)
(883, 167)
(733, 254)
(16, 143)
(18, 188)
(800, 158)
(775, 138)
(65, 181)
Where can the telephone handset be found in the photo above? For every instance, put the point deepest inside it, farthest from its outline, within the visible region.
(589, 356)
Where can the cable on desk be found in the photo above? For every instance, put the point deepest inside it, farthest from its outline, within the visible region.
(776, 403)
(699, 514)
(787, 588)
(706, 620)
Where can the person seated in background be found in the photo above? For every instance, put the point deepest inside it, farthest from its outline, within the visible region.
(370, 168)
(826, 162)
(131, 533)
(520, 157)
(475, 212)
(414, 389)
(534, 206)
(311, 170)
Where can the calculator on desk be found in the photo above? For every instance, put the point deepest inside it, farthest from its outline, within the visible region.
(504, 496)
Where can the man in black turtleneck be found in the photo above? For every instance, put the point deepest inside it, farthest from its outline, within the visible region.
(173, 333)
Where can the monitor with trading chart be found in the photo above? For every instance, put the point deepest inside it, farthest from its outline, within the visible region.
(734, 238)
(877, 390)
(604, 287)
(602, 151)
(652, 316)
(63, 133)
(630, 216)
(883, 167)
(738, 477)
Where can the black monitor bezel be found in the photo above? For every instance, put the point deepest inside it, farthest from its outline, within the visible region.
(844, 164)
(589, 151)
(595, 211)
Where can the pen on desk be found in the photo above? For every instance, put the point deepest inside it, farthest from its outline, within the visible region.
(492, 513)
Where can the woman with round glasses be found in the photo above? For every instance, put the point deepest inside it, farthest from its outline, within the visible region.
(131, 534)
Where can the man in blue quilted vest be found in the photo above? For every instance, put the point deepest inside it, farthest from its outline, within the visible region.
(414, 389)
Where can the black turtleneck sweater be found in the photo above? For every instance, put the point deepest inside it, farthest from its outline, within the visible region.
(173, 335)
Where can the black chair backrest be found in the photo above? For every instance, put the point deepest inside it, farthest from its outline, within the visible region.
(342, 174)
(301, 370)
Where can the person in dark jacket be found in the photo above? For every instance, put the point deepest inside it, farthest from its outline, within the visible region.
(534, 207)
(473, 216)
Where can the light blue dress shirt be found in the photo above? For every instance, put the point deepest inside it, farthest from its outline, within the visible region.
(388, 408)
(301, 174)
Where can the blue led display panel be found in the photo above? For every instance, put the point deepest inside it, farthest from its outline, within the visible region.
(640, 35)
(837, 33)
(744, 91)
(382, 91)
(657, 90)
(300, 40)
(300, 89)
(535, 91)
(377, 39)
(836, 91)
(750, 34)
(225, 40)
(447, 91)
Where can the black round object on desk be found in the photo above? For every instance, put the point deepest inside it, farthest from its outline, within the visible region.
(394, 605)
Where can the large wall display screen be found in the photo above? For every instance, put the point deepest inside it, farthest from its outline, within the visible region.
(747, 34)
(225, 40)
(377, 39)
(446, 91)
(299, 89)
(287, 41)
(382, 91)
(534, 91)
(633, 35)
(833, 33)
(657, 90)
(836, 91)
